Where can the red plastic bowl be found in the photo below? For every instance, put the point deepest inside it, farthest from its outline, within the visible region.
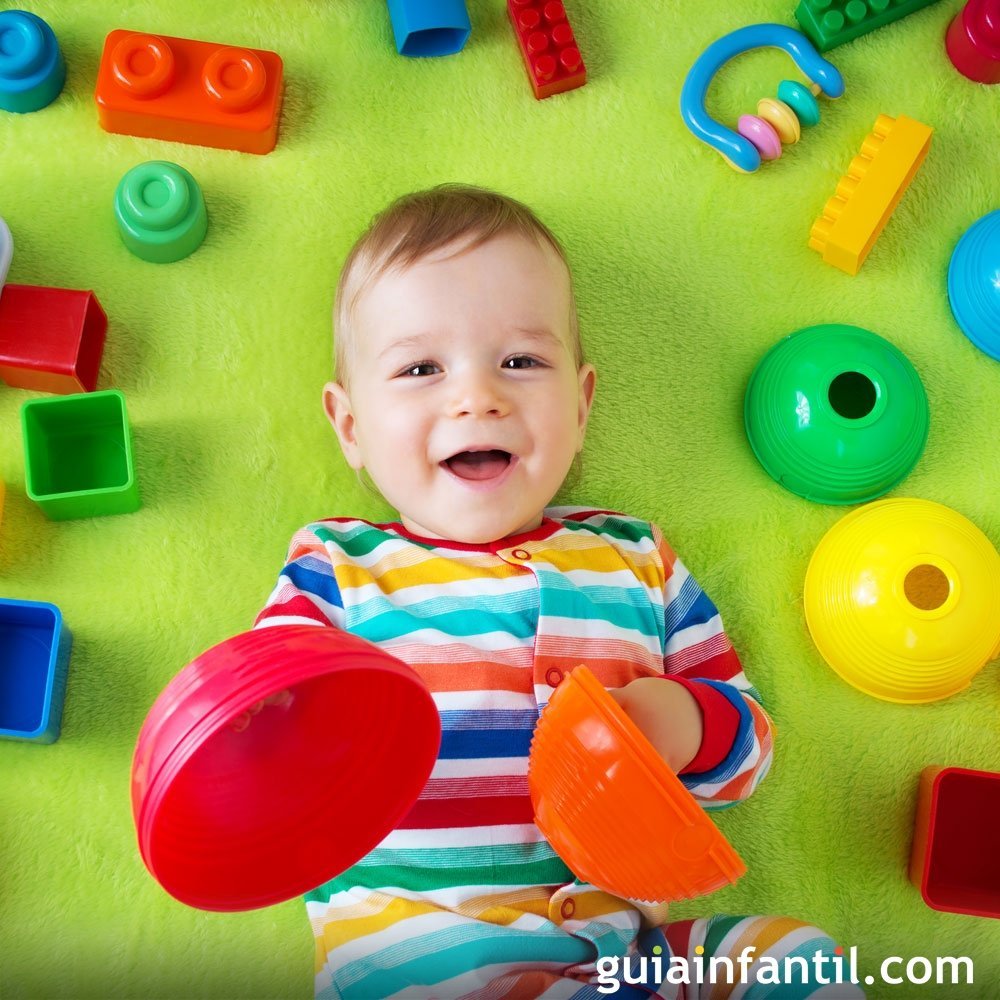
(234, 820)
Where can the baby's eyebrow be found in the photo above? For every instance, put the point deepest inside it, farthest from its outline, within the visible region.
(541, 334)
(406, 342)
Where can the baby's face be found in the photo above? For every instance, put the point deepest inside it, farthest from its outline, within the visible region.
(466, 405)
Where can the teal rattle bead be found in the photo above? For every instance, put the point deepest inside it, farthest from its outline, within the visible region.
(801, 100)
(161, 212)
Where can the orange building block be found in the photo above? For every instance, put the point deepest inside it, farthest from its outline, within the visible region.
(869, 192)
(189, 91)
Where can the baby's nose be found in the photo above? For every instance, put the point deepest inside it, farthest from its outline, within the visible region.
(479, 395)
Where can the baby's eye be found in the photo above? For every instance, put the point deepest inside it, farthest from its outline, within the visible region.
(415, 369)
(527, 359)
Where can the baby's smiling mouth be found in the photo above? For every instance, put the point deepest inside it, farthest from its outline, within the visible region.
(486, 464)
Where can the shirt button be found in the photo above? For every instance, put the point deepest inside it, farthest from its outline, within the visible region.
(568, 909)
(520, 554)
(553, 677)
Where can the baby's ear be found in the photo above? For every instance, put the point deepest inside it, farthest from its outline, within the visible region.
(588, 382)
(340, 413)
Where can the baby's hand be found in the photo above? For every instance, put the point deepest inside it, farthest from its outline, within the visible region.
(667, 714)
(243, 719)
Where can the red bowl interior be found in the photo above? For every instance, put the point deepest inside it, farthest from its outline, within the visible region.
(233, 820)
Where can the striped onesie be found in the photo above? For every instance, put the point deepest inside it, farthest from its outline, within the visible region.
(465, 898)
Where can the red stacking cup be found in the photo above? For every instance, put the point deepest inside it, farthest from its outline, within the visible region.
(973, 41)
(232, 818)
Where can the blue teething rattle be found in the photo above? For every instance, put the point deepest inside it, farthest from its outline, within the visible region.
(760, 136)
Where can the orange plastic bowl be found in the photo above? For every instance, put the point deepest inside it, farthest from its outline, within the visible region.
(231, 819)
(613, 809)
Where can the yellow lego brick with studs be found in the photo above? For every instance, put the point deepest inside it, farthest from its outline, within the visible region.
(869, 192)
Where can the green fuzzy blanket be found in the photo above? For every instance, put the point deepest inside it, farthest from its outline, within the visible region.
(686, 273)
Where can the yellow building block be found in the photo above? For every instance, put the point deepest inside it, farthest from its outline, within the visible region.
(870, 191)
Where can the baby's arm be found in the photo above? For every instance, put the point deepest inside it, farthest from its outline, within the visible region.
(668, 715)
(734, 750)
(306, 592)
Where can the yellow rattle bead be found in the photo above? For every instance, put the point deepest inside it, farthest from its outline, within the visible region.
(781, 118)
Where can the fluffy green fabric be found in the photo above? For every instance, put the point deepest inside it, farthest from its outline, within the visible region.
(685, 274)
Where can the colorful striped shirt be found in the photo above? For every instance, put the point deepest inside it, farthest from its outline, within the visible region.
(466, 890)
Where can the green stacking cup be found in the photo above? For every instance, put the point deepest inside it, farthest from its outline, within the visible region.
(78, 455)
(836, 414)
(160, 211)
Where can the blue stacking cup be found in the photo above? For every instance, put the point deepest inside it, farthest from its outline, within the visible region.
(429, 27)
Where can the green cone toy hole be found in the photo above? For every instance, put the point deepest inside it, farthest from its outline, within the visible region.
(853, 395)
(926, 587)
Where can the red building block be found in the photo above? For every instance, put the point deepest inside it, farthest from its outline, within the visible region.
(51, 339)
(954, 860)
(189, 91)
(552, 59)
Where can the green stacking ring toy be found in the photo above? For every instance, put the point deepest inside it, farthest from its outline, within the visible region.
(160, 211)
(836, 414)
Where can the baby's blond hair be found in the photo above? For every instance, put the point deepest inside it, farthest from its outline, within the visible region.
(416, 225)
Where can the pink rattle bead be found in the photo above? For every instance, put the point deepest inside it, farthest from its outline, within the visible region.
(762, 135)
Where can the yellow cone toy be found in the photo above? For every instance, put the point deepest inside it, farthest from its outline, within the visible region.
(902, 598)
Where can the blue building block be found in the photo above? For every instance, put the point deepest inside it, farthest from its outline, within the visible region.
(34, 661)
(429, 27)
(32, 70)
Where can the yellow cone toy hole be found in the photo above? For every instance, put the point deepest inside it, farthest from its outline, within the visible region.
(853, 395)
(926, 587)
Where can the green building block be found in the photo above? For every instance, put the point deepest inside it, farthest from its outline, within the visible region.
(78, 455)
(830, 23)
(160, 211)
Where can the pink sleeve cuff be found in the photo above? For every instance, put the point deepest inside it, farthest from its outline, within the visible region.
(720, 724)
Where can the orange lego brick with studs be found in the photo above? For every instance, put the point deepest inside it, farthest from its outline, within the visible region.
(185, 90)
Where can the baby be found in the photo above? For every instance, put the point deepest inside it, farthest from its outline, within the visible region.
(462, 390)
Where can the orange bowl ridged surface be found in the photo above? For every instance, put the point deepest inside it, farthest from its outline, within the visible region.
(612, 808)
